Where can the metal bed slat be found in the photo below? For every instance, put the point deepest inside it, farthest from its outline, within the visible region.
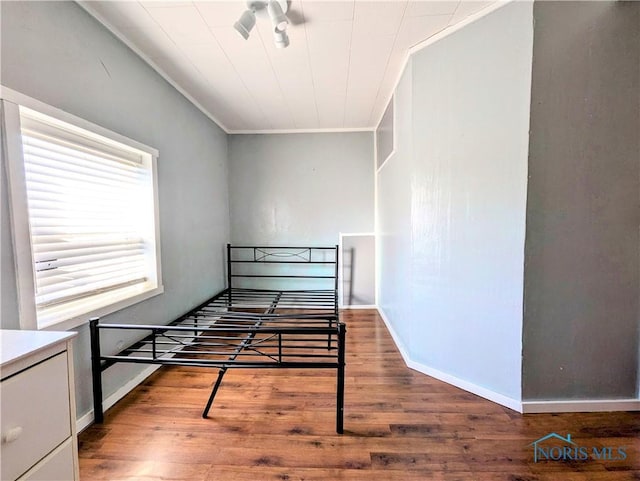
(250, 352)
(281, 262)
(252, 329)
(225, 364)
(246, 289)
(274, 276)
(284, 247)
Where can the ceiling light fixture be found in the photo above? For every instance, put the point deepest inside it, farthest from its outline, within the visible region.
(278, 18)
(280, 38)
(245, 23)
(275, 9)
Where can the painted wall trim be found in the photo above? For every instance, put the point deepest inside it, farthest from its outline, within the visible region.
(524, 407)
(356, 234)
(439, 36)
(302, 131)
(363, 306)
(33, 103)
(86, 5)
(376, 237)
(85, 420)
(483, 392)
(581, 406)
(467, 386)
(394, 133)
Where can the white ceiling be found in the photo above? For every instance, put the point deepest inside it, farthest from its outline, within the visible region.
(338, 72)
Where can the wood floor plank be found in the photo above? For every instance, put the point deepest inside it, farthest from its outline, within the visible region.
(280, 425)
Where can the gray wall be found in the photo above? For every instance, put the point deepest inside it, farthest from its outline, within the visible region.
(8, 294)
(581, 279)
(300, 188)
(452, 203)
(56, 53)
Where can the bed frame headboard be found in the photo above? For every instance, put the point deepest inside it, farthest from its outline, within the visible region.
(282, 262)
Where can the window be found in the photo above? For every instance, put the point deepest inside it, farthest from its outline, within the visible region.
(84, 215)
(385, 135)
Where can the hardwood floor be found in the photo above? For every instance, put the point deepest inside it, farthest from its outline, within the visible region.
(399, 425)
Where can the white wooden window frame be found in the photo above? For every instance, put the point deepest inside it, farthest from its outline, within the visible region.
(391, 105)
(79, 311)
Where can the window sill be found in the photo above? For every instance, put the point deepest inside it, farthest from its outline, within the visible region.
(70, 317)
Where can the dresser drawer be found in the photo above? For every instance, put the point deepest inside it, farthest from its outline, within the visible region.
(35, 414)
(57, 466)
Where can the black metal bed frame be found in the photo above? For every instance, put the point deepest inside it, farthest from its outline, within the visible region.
(246, 327)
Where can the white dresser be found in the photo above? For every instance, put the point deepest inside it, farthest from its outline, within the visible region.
(37, 406)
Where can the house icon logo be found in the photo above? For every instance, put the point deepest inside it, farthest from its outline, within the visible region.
(548, 452)
(554, 447)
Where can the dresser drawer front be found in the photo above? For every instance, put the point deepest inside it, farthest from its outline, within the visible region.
(58, 466)
(35, 415)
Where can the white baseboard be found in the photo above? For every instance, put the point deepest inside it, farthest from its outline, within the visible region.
(581, 406)
(394, 335)
(525, 407)
(364, 306)
(85, 420)
(483, 392)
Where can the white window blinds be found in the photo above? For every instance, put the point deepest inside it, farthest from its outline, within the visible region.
(91, 213)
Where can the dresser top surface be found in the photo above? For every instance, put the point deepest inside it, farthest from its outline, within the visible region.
(15, 345)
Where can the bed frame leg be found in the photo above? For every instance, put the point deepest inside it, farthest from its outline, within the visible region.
(96, 371)
(229, 277)
(340, 389)
(205, 413)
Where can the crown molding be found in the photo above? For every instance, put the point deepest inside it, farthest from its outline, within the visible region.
(86, 5)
